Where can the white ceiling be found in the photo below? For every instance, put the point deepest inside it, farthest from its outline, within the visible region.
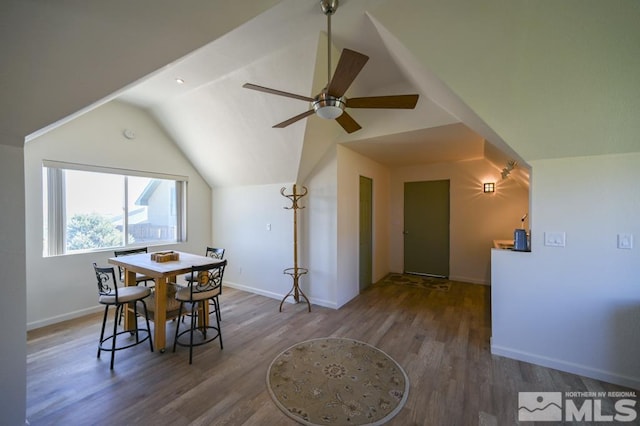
(452, 142)
(226, 130)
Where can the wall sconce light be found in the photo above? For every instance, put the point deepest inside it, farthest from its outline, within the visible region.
(489, 187)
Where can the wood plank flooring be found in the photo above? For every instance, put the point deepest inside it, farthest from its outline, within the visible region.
(441, 339)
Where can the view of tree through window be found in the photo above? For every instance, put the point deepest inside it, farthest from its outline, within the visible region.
(96, 210)
(94, 206)
(91, 231)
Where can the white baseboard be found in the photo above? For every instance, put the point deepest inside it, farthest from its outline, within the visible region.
(261, 292)
(278, 296)
(569, 367)
(323, 303)
(64, 317)
(82, 312)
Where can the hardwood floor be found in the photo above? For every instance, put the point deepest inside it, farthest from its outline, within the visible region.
(441, 338)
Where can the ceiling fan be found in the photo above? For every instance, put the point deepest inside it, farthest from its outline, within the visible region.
(330, 103)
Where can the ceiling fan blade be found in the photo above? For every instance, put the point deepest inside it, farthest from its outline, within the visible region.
(294, 119)
(348, 123)
(349, 66)
(276, 92)
(400, 101)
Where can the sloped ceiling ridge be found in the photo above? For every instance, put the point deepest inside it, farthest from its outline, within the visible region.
(441, 95)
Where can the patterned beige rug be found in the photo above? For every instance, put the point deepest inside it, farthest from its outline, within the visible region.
(334, 381)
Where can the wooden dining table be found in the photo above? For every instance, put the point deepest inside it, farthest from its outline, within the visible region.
(162, 274)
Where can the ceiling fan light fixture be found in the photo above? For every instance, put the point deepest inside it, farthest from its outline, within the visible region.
(328, 112)
(329, 107)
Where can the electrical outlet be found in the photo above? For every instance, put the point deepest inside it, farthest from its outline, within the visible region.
(625, 241)
(554, 239)
(268, 227)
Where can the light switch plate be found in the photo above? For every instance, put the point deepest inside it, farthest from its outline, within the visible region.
(554, 239)
(625, 241)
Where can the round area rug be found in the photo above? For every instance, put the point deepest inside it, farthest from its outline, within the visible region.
(333, 381)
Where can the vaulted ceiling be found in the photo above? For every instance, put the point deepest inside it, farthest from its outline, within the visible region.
(554, 79)
(62, 59)
(226, 130)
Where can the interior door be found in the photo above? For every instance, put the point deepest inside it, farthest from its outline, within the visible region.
(426, 228)
(366, 232)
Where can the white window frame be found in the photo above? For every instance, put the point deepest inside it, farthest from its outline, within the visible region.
(54, 219)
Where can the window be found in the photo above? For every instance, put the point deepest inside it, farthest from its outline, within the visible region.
(89, 208)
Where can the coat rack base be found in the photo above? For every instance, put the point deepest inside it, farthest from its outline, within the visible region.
(296, 291)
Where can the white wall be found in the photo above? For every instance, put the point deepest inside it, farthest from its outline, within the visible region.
(575, 308)
(327, 231)
(64, 287)
(13, 350)
(257, 256)
(476, 218)
(319, 225)
(351, 166)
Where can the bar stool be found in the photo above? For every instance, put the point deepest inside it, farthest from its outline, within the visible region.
(112, 295)
(206, 284)
(214, 253)
(140, 278)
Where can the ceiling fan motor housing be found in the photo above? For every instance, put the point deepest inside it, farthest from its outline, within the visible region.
(329, 7)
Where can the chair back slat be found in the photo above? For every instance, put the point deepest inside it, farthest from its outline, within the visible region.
(107, 285)
(127, 252)
(207, 277)
(215, 252)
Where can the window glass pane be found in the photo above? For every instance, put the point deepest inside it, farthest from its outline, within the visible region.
(151, 207)
(94, 210)
(101, 209)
